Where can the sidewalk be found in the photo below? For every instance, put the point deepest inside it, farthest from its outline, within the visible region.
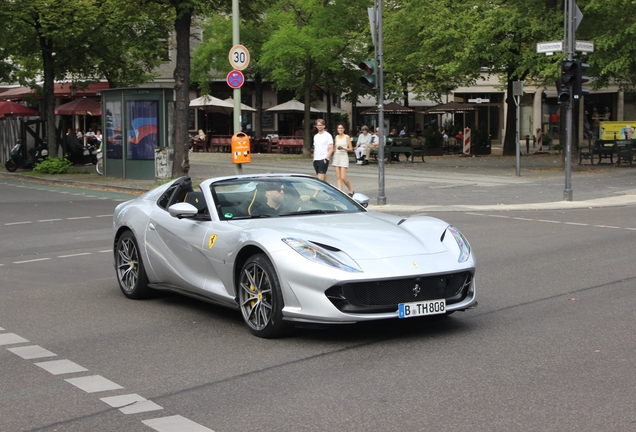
(444, 183)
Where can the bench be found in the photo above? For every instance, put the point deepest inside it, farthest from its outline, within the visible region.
(604, 149)
(220, 143)
(290, 145)
(625, 151)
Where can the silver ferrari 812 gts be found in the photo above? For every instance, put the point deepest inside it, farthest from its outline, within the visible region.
(287, 250)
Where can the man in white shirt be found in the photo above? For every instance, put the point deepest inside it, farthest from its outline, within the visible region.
(323, 148)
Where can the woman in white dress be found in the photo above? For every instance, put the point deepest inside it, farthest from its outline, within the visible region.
(343, 145)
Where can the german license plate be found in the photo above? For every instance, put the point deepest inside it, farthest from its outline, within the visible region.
(415, 309)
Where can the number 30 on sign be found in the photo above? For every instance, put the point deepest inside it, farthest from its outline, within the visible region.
(239, 57)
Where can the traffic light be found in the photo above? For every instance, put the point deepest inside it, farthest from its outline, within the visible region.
(568, 76)
(370, 68)
(579, 79)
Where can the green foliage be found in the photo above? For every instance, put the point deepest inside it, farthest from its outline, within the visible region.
(432, 138)
(53, 165)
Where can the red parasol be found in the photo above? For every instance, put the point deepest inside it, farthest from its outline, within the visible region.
(81, 106)
(9, 108)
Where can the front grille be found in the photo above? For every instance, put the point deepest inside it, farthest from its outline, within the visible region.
(384, 296)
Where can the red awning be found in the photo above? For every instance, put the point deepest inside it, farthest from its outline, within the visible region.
(61, 90)
(13, 109)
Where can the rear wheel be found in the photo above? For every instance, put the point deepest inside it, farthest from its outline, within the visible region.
(10, 165)
(260, 298)
(131, 274)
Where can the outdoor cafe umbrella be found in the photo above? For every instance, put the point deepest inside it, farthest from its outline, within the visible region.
(450, 108)
(390, 108)
(81, 106)
(14, 109)
(293, 106)
(212, 104)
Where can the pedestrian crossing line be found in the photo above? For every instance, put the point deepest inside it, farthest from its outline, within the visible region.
(127, 404)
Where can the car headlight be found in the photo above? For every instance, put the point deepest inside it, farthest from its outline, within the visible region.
(464, 247)
(320, 255)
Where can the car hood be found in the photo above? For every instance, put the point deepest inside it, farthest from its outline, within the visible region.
(361, 235)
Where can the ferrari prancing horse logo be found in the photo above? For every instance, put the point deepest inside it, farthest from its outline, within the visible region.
(212, 241)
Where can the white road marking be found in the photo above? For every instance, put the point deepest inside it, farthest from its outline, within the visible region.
(50, 220)
(93, 383)
(576, 223)
(140, 407)
(74, 255)
(631, 229)
(78, 217)
(131, 403)
(11, 338)
(520, 218)
(31, 352)
(18, 223)
(1, 329)
(107, 250)
(607, 226)
(122, 400)
(499, 216)
(106, 215)
(30, 261)
(548, 221)
(59, 367)
(175, 423)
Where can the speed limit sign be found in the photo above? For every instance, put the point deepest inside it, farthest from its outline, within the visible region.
(239, 57)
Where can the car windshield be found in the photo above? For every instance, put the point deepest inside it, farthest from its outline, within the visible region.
(264, 197)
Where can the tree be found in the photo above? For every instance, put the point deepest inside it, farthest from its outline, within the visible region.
(47, 39)
(210, 59)
(458, 40)
(313, 39)
(142, 31)
(611, 25)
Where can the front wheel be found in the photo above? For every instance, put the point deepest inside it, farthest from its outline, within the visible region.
(131, 274)
(99, 165)
(10, 165)
(260, 298)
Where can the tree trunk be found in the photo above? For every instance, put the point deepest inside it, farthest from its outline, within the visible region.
(181, 164)
(307, 123)
(258, 90)
(46, 45)
(510, 139)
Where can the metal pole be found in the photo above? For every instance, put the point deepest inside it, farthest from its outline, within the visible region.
(567, 192)
(380, 78)
(517, 137)
(238, 168)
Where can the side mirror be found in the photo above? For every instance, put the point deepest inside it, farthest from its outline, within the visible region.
(182, 210)
(362, 199)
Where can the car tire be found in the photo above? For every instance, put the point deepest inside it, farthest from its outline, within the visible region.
(260, 298)
(10, 165)
(129, 266)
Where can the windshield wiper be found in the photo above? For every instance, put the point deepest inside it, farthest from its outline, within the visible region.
(258, 216)
(314, 211)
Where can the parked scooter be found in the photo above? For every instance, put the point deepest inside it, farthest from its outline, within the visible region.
(16, 160)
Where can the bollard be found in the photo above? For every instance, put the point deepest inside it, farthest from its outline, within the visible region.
(527, 144)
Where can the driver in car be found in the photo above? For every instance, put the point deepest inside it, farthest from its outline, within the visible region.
(275, 198)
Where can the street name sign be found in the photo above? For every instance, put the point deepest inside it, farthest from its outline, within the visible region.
(479, 100)
(584, 46)
(549, 48)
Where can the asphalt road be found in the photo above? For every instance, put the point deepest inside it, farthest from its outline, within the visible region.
(551, 346)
